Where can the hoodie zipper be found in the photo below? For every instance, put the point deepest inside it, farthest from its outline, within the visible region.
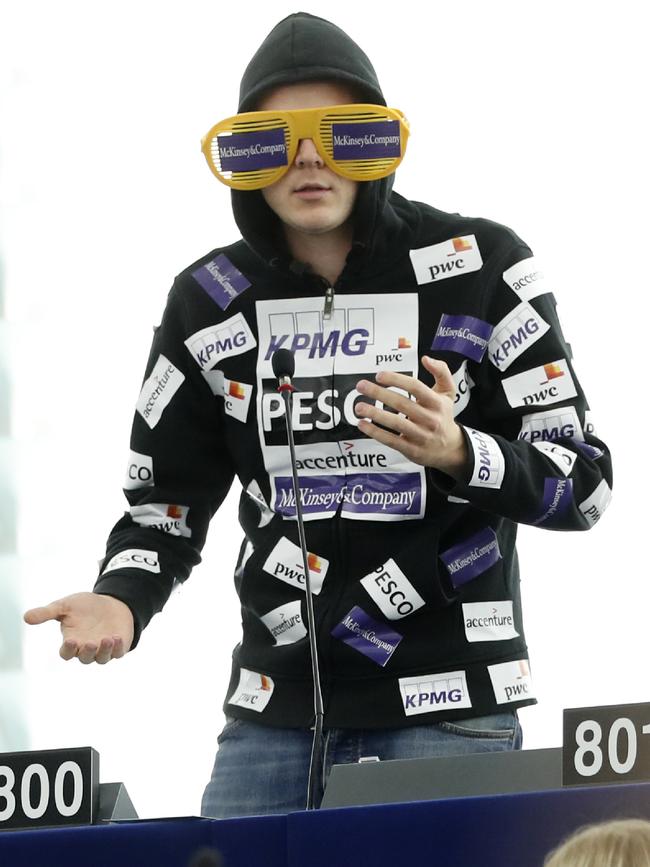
(329, 302)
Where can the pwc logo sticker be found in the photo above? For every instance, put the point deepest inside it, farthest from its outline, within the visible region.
(451, 258)
(540, 386)
(236, 395)
(511, 681)
(167, 517)
(285, 562)
(427, 693)
(253, 691)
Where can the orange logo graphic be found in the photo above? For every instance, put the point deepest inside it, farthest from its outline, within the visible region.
(174, 512)
(236, 389)
(266, 683)
(552, 371)
(314, 563)
(403, 343)
(461, 245)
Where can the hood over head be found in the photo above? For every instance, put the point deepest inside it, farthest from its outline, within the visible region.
(304, 47)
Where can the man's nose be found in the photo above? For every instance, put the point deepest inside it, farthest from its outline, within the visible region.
(307, 155)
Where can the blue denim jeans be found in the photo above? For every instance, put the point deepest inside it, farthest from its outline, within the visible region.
(259, 770)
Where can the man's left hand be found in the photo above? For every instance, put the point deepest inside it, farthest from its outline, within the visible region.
(425, 432)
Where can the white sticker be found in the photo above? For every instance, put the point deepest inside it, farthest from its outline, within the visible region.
(551, 425)
(285, 623)
(158, 390)
(463, 382)
(255, 493)
(285, 562)
(254, 690)
(511, 681)
(216, 342)
(590, 427)
(517, 331)
(540, 386)
(561, 457)
(139, 472)
(489, 621)
(451, 258)
(433, 692)
(167, 517)
(236, 395)
(526, 279)
(489, 462)
(594, 506)
(391, 590)
(134, 558)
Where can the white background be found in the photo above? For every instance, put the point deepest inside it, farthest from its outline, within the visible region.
(528, 113)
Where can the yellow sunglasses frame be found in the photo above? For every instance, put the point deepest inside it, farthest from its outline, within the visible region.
(300, 124)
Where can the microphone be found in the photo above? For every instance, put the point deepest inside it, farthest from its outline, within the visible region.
(283, 363)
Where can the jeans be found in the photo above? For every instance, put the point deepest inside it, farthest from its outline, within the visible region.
(259, 770)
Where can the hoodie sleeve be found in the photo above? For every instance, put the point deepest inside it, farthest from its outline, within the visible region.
(536, 458)
(178, 474)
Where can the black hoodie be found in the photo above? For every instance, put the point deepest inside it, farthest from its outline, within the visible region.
(417, 608)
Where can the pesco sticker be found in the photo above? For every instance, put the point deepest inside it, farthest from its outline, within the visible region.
(134, 558)
(391, 591)
(158, 390)
(139, 472)
(427, 693)
(463, 383)
(450, 258)
(254, 690)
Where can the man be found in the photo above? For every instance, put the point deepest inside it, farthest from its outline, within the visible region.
(435, 407)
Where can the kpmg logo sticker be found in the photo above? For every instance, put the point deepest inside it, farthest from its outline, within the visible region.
(471, 557)
(448, 259)
(551, 425)
(134, 558)
(521, 328)
(489, 463)
(526, 279)
(463, 382)
(489, 621)
(285, 562)
(550, 383)
(563, 458)
(254, 690)
(216, 342)
(432, 692)
(139, 472)
(558, 496)
(463, 334)
(375, 640)
(221, 280)
(285, 623)
(511, 681)
(391, 591)
(158, 390)
(236, 395)
(169, 518)
(594, 506)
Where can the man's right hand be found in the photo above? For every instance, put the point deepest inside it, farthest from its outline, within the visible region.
(95, 627)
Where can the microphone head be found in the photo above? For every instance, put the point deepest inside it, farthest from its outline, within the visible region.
(283, 363)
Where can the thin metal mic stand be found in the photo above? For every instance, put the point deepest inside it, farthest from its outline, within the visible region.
(316, 760)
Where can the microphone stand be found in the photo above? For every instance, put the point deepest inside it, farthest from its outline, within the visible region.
(316, 760)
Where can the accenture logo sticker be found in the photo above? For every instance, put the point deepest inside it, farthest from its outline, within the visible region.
(285, 623)
(489, 621)
(254, 690)
(427, 693)
(158, 390)
(526, 279)
(448, 259)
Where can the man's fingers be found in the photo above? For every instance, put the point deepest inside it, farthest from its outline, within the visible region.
(105, 651)
(442, 375)
(87, 652)
(40, 615)
(69, 649)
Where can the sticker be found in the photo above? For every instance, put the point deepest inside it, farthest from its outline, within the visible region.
(158, 390)
(252, 151)
(489, 462)
(254, 690)
(551, 425)
(134, 558)
(379, 139)
(516, 332)
(511, 681)
(375, 640)
(236, 395)
(217, 342)
(255, 493)
(139, 472)
(471, 557)
(285, 623)
(432, 692)
(391, 591)
(539, 386)
(221, 280)
(170, 519)
(564, 459)
(463, 334)
(463, 382)
(526, 279)
(489, 621)
(558, 496)
(594, 506)
(285, 562)
(451, 258)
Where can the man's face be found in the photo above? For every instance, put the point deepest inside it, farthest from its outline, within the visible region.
(310, 198)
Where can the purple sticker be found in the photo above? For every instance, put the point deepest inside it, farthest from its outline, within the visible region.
(221, 280)
(591, 451)
(472, 556)
(375, 640)
(318, 494)
(463, 334)
(366, 141)
(372, 493)
(252, 151)
(558, 494)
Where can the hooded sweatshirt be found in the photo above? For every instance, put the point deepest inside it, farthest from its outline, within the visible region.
(417, 604)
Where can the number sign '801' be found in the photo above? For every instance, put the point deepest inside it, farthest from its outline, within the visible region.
(48, 788)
